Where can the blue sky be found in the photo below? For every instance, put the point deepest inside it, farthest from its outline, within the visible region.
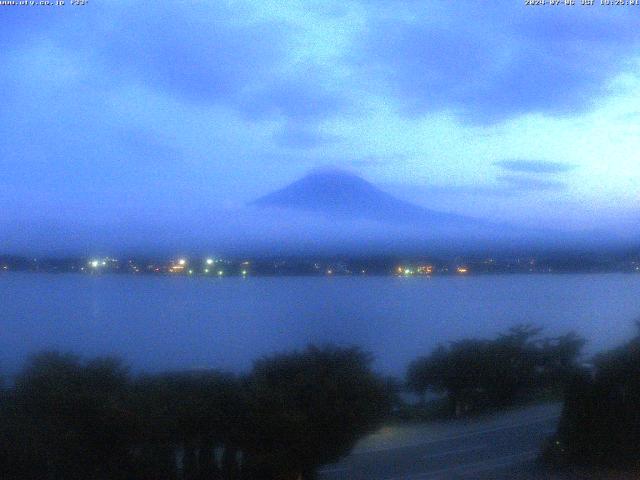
(120, 112)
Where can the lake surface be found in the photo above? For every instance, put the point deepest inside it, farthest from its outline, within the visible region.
(157, 323)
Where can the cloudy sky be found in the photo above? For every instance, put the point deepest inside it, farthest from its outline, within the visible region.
(119, 111)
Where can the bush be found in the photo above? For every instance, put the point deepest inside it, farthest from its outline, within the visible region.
(186, 416)
(68, 419)
(476, 374)
(309, 408)
(600, 423)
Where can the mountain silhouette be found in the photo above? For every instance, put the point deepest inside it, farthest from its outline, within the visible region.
(345, 195)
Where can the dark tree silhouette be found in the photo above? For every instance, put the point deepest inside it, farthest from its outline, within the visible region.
(67, 420)
(309, 408)
(600, 423)
(495, 373)
(183, 418)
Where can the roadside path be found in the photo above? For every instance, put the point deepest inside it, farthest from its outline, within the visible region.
(495, 446)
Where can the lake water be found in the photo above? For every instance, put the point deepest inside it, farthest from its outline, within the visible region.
(159, 323)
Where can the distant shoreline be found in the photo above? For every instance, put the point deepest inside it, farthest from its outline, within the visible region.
(327, 266)
(318, 276)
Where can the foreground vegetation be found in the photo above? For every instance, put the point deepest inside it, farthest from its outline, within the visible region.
(516, 367)
(67, 419)
(600, 423)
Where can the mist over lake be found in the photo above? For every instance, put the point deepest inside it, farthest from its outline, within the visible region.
(158, 323)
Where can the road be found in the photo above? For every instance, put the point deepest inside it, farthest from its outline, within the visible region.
(499, 446)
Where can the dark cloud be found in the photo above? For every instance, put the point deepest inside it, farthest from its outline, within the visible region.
(488, 64)
(207, 53)
(535, 166)
(203, 55)
(215, 56)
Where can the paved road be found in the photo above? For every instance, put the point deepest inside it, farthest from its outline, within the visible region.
(501, 446)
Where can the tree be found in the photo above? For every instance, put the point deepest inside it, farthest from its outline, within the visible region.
(68, 419)
(600, 423)
(476, 373)
(309, 408)
(429, 373)
(559, 360)
(191, 413)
